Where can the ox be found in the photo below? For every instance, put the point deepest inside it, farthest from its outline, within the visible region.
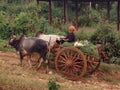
(51, 38)
(26, 46)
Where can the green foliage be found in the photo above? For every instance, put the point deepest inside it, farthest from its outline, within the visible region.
(12, 8)
(94, 17)
(113, 12)
(90, 18)
(112, 46)
(90, 49)
(109, 69)
(57, 23)
(115, 60)
(43, 24)
(111, 40)
(22, 17)
(18, 19)
(101, 33)
(2, 24)
(83, 20)
(3, 47)
(68, 44)
(53, 86)
(105, 67)
(44, 9)
(82, 35)
(22, 23)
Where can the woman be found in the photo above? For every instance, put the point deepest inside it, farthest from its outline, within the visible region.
(70, 36)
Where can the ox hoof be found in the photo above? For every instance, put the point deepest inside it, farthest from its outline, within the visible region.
(38, 69)
(50, 72)
(46, 62)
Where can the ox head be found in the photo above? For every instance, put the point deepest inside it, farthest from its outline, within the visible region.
(38, 33)
(12, 40)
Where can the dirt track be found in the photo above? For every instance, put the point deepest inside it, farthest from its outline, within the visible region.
(92, 80)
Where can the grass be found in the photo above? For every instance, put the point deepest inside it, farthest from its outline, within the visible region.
(109, 67)
(15, 77)
(110, 73)
(3, 47)
(12, 82)
(109, 79)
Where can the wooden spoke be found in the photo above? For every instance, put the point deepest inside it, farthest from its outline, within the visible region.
(61, 62)
(92, 63)
(70, 62)
(74, 56)
(64, 55)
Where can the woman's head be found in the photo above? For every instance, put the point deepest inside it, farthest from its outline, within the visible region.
(71, 28)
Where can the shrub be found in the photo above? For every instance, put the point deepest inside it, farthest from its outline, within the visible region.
(111, 40)
(100, 35)
(22, 23)
(115, 60)
(2, 25)
(53, 86)
(90, 18)
(113, 12)
(43, 24)
(82, 35)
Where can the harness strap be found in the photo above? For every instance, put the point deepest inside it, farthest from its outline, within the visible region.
(49, 47)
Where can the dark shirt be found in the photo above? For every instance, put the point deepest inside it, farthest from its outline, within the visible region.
(70, 37)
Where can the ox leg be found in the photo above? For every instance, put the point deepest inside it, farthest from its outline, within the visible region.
(40, 63)
(46, 62)
(47, 68)
(21, 58)
(29, 61)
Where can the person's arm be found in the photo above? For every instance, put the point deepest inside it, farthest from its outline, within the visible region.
(66, 38)
(71, 37)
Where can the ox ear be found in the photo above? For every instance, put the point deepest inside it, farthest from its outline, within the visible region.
(13, 36)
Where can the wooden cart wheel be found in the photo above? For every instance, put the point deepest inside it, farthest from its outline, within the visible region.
(92, 63)
(70, 62)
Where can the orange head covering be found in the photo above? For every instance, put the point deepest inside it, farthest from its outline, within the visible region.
(72, 28)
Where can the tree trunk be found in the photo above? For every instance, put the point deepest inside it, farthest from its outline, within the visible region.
(27, 1)
(66, 10)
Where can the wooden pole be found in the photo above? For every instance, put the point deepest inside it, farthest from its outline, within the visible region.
(49, 12)
(76, 14)
(108, 11)
(64, 10)
(37, 2)
(118, 16)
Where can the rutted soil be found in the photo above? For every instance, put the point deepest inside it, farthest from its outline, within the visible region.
(92, 80)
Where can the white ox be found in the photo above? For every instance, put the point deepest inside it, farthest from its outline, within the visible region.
(51, 38)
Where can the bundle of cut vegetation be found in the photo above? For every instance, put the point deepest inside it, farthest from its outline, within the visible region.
(89, 49)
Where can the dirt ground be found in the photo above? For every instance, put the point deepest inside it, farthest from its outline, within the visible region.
(91, 80)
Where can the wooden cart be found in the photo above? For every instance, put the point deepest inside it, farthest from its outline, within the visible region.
(72, 63)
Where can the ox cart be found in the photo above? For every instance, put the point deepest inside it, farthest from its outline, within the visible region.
(72, 63)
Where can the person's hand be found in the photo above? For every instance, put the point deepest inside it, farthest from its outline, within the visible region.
(65, 40)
